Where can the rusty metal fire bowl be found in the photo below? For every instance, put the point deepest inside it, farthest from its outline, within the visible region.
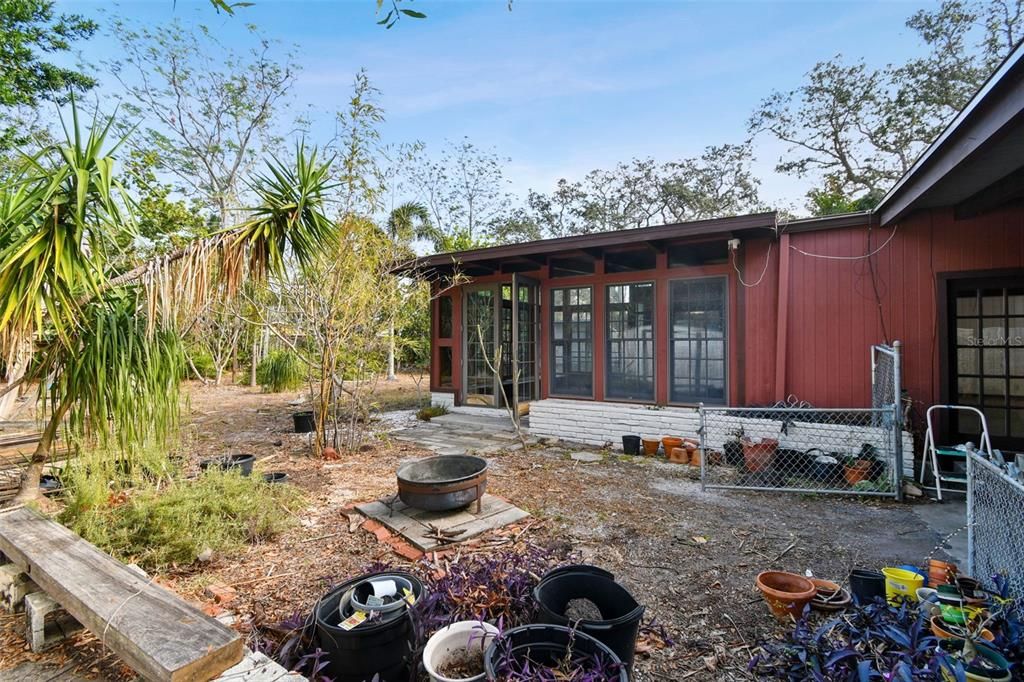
(443, 483)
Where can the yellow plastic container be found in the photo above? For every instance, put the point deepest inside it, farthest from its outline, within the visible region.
(901, 584)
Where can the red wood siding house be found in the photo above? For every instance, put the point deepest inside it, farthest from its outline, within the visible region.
(679, 314)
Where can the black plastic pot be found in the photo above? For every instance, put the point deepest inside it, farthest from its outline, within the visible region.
(620, 612)
(867, 585)
(304, 422)
(241, 462)
(382, 647)
(631, 445)
(275, 477)
(546, 645)
(733, 453)
(825, 468)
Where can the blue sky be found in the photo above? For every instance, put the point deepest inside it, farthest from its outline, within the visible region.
(559, 86)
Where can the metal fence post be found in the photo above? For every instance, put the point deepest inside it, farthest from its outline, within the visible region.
(898, 421)
(970, 512)
(703, 449)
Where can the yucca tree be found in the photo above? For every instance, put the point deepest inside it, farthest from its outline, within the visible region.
(105, 329)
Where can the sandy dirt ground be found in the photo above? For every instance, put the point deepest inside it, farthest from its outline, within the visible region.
(689, 556)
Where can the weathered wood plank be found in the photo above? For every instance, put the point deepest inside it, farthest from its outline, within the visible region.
(159, 635)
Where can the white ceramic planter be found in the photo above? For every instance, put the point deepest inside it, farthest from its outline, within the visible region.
(454, 639)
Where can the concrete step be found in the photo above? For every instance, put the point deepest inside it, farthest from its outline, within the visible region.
(459, 421)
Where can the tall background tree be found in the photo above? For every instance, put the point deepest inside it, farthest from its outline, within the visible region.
(206, 114)
(856, 129)
(465, 189)
(643, 192)
(30, 32)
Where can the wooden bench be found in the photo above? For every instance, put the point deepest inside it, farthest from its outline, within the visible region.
(162, 637)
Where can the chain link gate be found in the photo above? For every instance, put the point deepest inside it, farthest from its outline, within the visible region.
(798, 448)
(995, 525)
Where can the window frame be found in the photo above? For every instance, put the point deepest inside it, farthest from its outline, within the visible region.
(725, 337)
(606, 343)
(551, 344)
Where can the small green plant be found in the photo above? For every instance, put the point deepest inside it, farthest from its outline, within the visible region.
(280, 371)
(203, 362)
(427, 413)
(158, 526)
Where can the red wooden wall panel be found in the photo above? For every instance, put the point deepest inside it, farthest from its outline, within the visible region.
(832, 314)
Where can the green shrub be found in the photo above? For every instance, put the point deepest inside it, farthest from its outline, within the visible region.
(204, 364)
(280, 371)
(157, 527)
(427, 413)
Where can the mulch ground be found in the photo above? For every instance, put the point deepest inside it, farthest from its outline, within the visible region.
(690, 556)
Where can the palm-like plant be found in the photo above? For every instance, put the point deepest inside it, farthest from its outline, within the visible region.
(106, 333)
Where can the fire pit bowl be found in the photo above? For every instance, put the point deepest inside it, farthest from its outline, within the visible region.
(443, 483)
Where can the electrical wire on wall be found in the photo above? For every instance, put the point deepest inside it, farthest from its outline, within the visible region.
(764, 271)
(860, 257)
(873, 274)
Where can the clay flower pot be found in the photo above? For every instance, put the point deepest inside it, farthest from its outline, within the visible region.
(669, 442)
(694, 455)
(941, 572)
(678, 456)
(758, 455)
(651, 446)
(786, 593)
(858, 471)
(829, 596)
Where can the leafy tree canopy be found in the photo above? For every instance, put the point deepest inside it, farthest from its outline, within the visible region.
(859, 128)
(30, 30)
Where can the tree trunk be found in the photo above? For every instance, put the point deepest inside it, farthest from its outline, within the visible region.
(16, 373)
(255, 361)
(391, 352)
(29, 491)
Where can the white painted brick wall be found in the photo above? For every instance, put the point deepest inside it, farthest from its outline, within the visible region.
(597, 423)
(442, 399)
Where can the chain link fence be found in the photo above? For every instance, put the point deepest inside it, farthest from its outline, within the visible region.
(995, 524)
(799, 448)
(849, 451)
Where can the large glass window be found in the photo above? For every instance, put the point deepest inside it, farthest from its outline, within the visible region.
(697, 343)
(572, 342)
(630, 342)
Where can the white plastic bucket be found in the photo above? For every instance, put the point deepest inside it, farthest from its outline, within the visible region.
(455, 639)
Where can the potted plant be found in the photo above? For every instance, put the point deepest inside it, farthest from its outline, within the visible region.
(456, 653)
(733, 448)
(856, 470)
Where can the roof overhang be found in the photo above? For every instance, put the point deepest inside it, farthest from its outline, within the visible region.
(978, 161)
(532, 255)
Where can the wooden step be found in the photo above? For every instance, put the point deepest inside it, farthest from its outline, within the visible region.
(162, 637)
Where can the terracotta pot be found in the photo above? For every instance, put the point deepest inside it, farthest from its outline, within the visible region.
(786, 593)
(758, 456)
(678, 455)
(944, 630)
(829, 596)
(669, 442)
(694, 456)
(859, 471)
(651, 446)
(941, 572)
